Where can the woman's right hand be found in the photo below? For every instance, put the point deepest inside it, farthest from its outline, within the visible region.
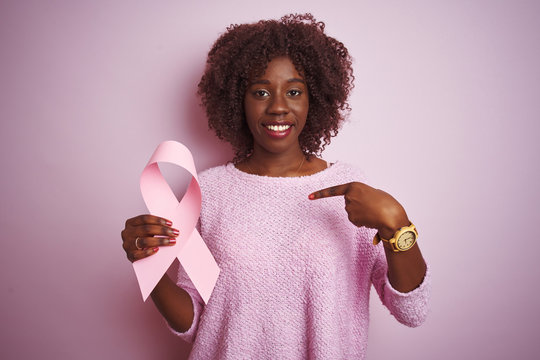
(143, 235)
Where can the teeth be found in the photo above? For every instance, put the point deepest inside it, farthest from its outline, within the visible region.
(278, 127)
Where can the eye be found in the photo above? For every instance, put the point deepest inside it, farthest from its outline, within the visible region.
(294, 92)
(261, 93)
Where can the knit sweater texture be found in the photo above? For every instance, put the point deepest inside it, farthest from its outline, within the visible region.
(295, 273)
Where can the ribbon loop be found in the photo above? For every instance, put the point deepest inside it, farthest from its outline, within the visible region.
(190, 248)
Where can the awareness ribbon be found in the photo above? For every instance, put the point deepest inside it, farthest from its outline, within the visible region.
(190, 248)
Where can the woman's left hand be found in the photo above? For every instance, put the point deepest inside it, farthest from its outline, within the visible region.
(377, 209)
(369, 207)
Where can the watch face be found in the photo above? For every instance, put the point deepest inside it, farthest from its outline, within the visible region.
(406, 240)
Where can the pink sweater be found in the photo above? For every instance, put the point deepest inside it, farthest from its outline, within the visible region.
(295, 274)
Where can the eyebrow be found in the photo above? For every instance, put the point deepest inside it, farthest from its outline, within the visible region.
(296, 80)
(292, 80)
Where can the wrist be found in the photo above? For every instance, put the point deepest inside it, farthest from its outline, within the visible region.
(387, 231)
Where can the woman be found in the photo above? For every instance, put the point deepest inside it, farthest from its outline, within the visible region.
(291, 233)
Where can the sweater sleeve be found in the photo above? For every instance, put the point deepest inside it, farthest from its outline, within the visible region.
(198, 303)
(409, 308)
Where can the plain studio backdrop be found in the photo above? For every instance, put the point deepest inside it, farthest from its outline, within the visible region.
(445, 117)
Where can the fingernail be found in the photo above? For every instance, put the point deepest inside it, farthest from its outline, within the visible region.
(172, 241)
(311, 197)
(168, 223)
(175, 232)
(155, 249)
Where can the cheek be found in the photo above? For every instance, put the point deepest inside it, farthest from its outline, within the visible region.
(251, 114)
(302, 111)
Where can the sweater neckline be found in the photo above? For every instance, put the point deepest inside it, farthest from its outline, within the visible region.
(282, 179)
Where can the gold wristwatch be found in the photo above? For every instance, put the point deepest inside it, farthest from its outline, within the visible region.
(403, 239)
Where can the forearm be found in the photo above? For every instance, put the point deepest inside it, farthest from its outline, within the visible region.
(406, 269)
(174, 304)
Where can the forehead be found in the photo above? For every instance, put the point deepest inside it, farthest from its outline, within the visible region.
(280, 68)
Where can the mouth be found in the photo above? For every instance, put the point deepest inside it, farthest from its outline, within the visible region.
(278, 130)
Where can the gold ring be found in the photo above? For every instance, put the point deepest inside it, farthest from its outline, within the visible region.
(137, 244)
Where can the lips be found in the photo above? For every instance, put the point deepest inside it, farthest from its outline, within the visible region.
(278, 130)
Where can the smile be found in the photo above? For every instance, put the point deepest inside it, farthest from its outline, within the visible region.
(278, 128)
(278, 131)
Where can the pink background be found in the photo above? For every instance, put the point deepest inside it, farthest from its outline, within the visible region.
(445, 117)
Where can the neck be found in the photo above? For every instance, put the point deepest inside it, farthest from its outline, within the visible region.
(269, 164)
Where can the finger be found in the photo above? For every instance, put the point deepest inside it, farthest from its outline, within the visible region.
(337, 190)
(141, 254)
(152, 230)
(148, 219)
(152, 242)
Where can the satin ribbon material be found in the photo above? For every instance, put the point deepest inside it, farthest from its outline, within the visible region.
(190, 248)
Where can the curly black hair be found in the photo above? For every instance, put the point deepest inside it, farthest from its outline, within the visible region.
(243, 52)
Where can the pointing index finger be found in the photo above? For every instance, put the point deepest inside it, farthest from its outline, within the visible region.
(337, 190)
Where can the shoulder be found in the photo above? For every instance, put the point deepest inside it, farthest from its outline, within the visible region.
(212, 172)
(347, 172)
(221, 176)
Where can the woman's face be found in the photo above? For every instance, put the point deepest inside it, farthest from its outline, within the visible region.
(276, 106)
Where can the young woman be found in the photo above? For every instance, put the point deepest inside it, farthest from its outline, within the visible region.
(292, 234)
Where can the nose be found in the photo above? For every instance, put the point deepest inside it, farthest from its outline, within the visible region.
(278, 105)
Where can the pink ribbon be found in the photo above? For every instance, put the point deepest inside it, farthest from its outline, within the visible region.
(190, 248)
